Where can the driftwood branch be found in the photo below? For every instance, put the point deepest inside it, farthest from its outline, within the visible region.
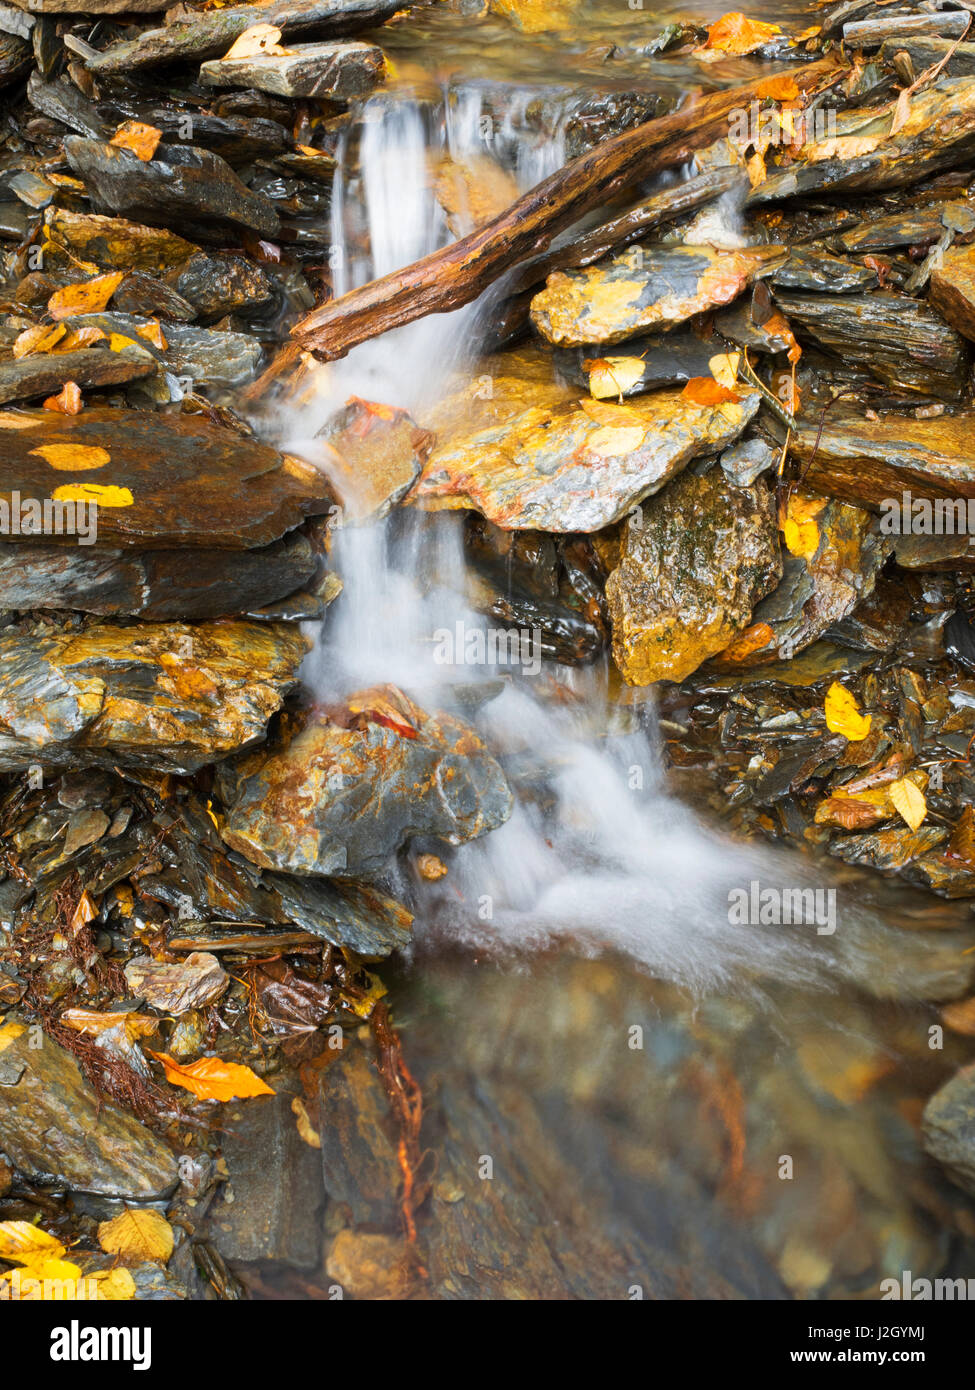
(458, 273)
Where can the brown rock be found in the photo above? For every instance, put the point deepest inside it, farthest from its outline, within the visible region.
(952, 290)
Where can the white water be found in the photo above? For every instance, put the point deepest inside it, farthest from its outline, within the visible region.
(615, 862)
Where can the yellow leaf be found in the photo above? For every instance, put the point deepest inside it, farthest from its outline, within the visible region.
(843, 714)
(88, 298)
(260, 38)
(798, 525)
(210, 1078)
(611, 376)
(91, 1022)
(42, 1279)
(757, 172)
(118, 341)
(113, 1285)
(141, 139)
(902, 111)
(909, 801)
(724, 368)
(91, 492)
(612, 442)
(73, 458)
(736, 33)
(80, 338)
(138, 1234)
(22, 1241)
(41, 338)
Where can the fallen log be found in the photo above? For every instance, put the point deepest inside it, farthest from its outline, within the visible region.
(458, 273)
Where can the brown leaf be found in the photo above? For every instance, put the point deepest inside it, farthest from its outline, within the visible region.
(40, 338)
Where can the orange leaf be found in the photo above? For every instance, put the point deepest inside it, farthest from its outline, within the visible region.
(210, 1078)
(88, 298)
(782, 88)
(85, 912)
(68, 402)
(140, 139)
(41, 338)
(704, 390)
(736, 33)
(152, 333)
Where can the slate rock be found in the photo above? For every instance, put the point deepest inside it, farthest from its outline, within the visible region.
(336, 71)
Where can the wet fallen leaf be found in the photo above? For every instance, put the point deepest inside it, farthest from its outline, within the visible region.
(119, 341)
(755, 167)
(81, 337)
(152, 333)
(843, 714)
(90, 297)
(724, 368)
(612, 376)
(961, 846)
(41, 338)
(141, 139)
(113, 1285)
(611, 441)
(852, 813)
(42, 1280)
(22, 1241)
(431, 868)
(306, 1129)
(778, 325)
(736, 33)
(902, 111)
(73, 458)
(909, 801)
(93, 1023)
(797, 522)
(85, 912)
(781, 88)
(211, 1078)
(138, 1234)
(107, 496)
(704, 390)
(68, 401)
(260, 38)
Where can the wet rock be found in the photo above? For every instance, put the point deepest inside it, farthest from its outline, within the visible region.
(808, 269)
(925, 51)
(348, 790)
(259, 1216)
(358, 1148)
(900, 340)
(56, 1131)
(157, 696)
(157, 584)
(63, 102)
(143, 294)
(868, 462)
(939, 133)
(888, 849)
(44, 373)
(377, 453)
(916, 227)
(644, 287)
(819, 590)
(567, 468)
(693, 566)
(114, 241)
(952, 289)
(159, 480)
(209, 35)
(96, 7)
(199, 354)
(15, 59)
(669, 359)
(174, 987)
(370, 1266)
(746, 460)
(339, 71)
(936, 553)
(948, 1127)
(181, 184)
(217, 285)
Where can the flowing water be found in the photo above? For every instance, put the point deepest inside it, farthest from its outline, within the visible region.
(579, 1004)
